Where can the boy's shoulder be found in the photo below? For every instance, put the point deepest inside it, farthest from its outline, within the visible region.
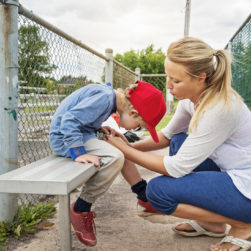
(99, 87)
(92, 89)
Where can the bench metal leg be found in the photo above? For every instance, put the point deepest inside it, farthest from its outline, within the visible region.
(65, 222)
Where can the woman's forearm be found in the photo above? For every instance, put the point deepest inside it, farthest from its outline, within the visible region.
(150, 161)
(149, 145)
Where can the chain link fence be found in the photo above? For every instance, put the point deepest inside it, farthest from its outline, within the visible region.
(122, 76)
(240, 48)
(51, 66)
(158, 80)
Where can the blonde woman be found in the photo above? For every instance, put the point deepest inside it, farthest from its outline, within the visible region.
(207, 175)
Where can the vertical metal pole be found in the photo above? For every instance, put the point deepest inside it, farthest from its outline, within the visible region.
(169, 102)
(65, 223)
(229, 48)
(109, 66)
(187, 18)
(137, 72)
(8, 100)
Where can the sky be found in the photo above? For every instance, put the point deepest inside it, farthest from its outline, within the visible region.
(135, 24)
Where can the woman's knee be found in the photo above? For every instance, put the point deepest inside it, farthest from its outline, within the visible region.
(157, 193)
(152, 189)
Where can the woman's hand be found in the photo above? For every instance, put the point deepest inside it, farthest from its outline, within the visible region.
(107, 130)
(116, 141)
(88, 158)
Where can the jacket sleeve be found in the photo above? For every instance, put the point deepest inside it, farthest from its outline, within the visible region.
(81, 118)
(213, 129)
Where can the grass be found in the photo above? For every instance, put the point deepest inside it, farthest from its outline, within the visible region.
(165, 120)
(27, 220)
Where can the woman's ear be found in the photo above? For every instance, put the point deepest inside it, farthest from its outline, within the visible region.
(202, 77)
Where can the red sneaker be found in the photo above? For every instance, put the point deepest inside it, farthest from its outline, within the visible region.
(146, 209)
(84, 226)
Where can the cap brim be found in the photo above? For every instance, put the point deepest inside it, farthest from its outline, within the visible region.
(153, 133)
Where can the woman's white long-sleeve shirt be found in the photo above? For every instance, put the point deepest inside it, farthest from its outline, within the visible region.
(224, 137)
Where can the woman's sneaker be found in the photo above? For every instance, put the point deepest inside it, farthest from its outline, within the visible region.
(145, 209)
(84, 226)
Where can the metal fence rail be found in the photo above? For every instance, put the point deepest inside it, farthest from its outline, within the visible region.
(240, 48)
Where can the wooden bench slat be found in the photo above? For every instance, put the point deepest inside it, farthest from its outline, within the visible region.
(41, 104)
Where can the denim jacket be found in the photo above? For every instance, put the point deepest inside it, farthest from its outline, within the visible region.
(78, 117)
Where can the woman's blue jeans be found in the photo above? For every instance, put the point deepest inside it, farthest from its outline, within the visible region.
(206, 188)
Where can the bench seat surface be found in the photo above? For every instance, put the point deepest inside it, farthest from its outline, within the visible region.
(52, 175)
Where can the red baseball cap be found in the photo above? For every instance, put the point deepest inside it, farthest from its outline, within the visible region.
(150, 104)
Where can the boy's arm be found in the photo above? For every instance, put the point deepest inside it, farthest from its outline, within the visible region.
(79, 119)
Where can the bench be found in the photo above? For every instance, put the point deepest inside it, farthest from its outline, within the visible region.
(52, 175)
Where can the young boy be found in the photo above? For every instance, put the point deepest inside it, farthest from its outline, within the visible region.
(73, 133)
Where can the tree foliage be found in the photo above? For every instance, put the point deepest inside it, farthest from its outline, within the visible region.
(33, 57)
(68, 84)
(149, 60)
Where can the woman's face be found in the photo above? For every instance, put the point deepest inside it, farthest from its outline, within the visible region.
(182, 85)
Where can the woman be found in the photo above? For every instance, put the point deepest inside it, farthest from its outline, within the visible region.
(219, 124)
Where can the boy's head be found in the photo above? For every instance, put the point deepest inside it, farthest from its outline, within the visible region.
(148, 108)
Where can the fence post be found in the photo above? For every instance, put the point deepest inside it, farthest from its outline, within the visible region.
(8, 100)
(169, 102)
(109, 66)
(137, 74)
(229, 48)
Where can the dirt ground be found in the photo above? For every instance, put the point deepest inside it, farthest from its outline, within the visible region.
(119, 228)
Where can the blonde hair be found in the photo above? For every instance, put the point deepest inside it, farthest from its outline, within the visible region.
(127, 103)
(198, 57)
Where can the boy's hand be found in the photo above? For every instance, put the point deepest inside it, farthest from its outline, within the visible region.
(87, 158)
(109, 131)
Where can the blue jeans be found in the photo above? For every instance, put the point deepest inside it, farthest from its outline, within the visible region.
(206, 188)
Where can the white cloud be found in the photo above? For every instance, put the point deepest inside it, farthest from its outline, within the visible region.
(134, 24)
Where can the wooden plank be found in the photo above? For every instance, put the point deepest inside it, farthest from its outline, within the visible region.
(32, 114)
(25, 130)
(41, 96)
(40, 104)
(32, 88)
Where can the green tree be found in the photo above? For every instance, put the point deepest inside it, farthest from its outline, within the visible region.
(33, 57)
(68, 84)
(149, 60)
